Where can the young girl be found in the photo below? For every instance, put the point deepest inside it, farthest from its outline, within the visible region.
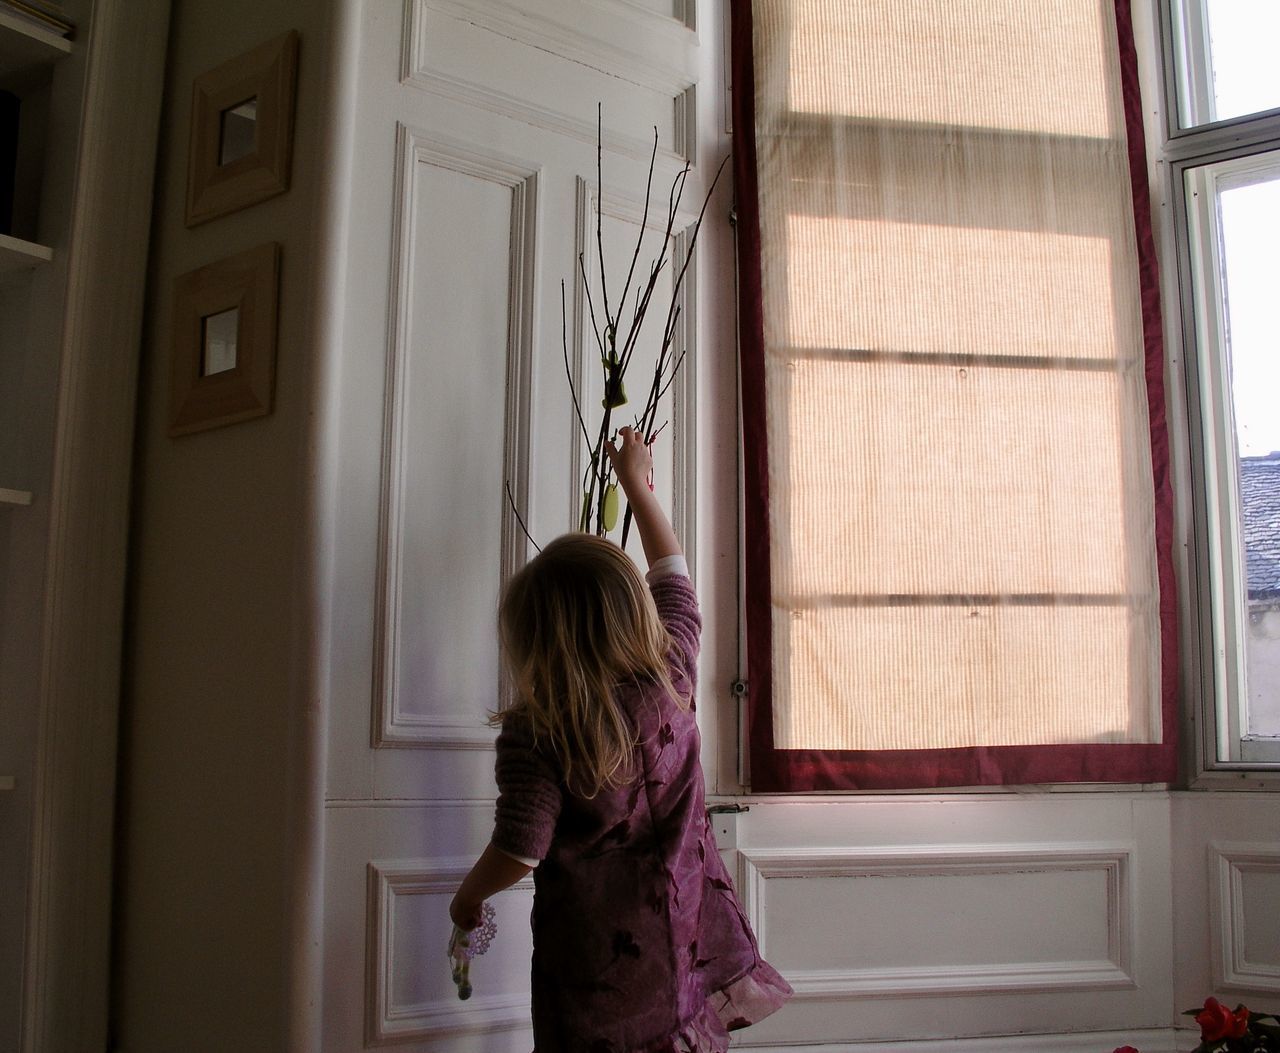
(639, 943)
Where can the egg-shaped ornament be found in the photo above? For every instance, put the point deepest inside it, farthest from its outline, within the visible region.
(611, 507)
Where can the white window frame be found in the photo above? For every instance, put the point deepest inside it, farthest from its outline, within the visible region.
(1212, 602)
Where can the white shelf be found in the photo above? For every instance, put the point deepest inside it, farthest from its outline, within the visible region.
(19, 255)
(14, 497)
(25, 46)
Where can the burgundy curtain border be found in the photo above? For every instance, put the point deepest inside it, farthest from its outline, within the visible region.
(800, 771)
(759, 611)
(1153, 348)
(782, 771)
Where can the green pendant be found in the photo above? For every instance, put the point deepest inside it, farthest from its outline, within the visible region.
(615, 395)
(611, 507)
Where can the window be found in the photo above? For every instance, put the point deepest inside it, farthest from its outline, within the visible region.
(958, 557)
(1223, 149)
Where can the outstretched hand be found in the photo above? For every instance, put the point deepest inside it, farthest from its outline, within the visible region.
(632, 462)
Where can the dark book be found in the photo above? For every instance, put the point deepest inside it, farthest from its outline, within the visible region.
(9, 111)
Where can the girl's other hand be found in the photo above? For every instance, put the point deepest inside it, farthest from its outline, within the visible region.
(465, 913)
(632, 461)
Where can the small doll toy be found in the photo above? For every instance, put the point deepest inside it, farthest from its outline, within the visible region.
(464, 945)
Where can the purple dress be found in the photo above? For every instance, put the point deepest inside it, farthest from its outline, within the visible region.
(639, 942)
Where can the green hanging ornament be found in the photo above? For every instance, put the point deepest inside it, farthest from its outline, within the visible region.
(611, 507)
(615, 394)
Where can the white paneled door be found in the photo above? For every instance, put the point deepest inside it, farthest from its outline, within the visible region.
(476, 186)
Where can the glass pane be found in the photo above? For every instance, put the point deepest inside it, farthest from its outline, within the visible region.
(1250, 218)
(239, 132)
(220, 336)
(1242, 36)
(1227, 60)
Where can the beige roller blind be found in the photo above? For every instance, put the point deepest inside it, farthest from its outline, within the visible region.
(961, 501)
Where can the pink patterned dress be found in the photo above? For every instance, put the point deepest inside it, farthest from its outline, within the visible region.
(639, 942)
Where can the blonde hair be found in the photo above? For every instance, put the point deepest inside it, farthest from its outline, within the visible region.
(576, 623)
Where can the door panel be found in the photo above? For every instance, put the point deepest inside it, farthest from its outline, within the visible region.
(960, 915)
(456, 424)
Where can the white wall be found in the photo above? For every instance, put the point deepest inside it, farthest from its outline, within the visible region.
(220, 714)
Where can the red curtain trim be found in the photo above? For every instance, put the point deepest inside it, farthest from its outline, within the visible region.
(807, 770)
(775, 771)
(1153, 339)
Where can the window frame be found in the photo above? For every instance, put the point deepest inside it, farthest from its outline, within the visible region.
(1209, 510)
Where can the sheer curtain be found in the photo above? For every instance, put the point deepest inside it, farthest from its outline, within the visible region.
(951, 476)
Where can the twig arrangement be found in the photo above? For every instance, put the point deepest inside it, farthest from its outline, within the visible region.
(617, 329)
(617, 344)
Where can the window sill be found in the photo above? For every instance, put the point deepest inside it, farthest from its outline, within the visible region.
(944, 793)
(1253, 780)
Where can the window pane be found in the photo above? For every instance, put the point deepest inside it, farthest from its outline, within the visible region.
(1250, 216)
(1227, 58)
(1234, 237)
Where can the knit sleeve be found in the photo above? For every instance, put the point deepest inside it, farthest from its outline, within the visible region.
(665, 566)
(528, 795)
(677, 605)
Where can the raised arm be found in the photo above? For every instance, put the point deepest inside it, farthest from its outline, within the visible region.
(632, 463)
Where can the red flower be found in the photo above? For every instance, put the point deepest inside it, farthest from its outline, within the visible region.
(1218, 1022)
(1240, 1023)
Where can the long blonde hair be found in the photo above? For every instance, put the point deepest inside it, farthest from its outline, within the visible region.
(576, 623)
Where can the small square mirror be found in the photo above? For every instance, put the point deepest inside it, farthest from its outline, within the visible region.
(239, 132)
(218, 337)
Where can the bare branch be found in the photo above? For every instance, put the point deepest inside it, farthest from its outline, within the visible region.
(604, 289)
(617, 345)
(672, 379)
(519, 518)
(674, 197)
(568, 374)
(644, 221)
(591, 305)
(693, 238)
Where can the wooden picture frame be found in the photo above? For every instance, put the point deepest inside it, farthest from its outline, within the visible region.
(242, 130)
(224, 341)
